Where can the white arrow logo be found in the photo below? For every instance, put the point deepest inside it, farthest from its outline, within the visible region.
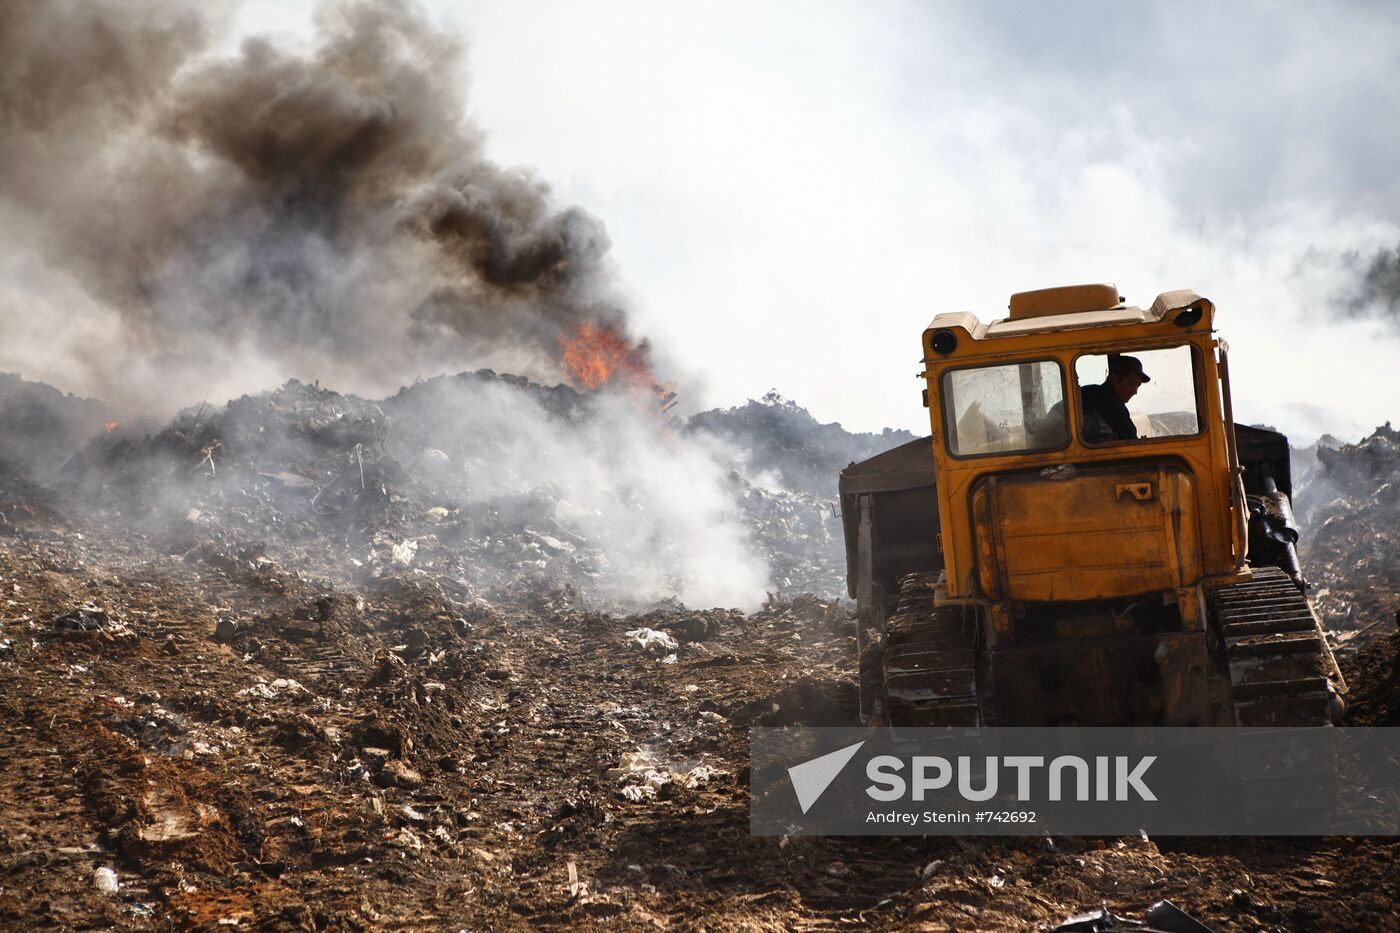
(811, 778)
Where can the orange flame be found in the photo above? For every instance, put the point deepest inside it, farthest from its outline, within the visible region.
(597, 355)
(112, 426)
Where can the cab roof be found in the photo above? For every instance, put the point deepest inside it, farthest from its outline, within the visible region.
(1074, 307)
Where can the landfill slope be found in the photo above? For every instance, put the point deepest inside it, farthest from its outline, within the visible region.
(267, 667)
(1349, 512)
(1349, 509)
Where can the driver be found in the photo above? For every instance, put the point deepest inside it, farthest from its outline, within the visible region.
(1109, 400)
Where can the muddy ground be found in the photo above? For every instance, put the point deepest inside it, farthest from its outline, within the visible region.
(249, 745)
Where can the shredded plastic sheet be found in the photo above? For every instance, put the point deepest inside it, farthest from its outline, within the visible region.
(649, 639)
(655, 774)
(403, 552)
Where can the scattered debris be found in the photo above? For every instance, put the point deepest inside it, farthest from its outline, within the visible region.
(403, 552)
(106, 882)
(398, 773)
(651, 640)
(1161, 917)
(271, 691)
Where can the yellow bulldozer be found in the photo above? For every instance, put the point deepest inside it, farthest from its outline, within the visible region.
(1087, 538)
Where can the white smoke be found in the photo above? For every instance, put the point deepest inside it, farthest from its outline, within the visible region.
(655, 503)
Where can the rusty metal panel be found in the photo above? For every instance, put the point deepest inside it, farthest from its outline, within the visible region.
(1063, 300)
(903, 513)
(1104, 533)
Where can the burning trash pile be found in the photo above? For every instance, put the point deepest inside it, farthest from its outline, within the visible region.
(485, 479)
(331, 209)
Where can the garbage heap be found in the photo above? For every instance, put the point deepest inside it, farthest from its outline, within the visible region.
(785, 480)
(440, 476)
(1348, 510)
(780, 440)
(40, 426)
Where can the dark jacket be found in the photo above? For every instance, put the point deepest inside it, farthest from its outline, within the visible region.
(1101, 400)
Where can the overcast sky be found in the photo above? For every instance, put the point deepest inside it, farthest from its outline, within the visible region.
(793, 190)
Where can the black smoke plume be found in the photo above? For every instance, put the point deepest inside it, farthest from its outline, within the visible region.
(1379, 289)
(182, 222)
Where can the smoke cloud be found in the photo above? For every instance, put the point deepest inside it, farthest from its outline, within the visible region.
(1379, 288)
(178, 224)
(654, 506)
(183, 224)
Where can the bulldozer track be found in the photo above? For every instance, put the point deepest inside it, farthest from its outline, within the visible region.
(930, 659)
(1281, 669)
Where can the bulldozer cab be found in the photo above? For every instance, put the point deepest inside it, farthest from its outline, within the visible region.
(1052, 485)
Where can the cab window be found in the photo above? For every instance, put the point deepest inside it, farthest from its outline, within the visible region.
(1137, 395)
(1004, 409)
